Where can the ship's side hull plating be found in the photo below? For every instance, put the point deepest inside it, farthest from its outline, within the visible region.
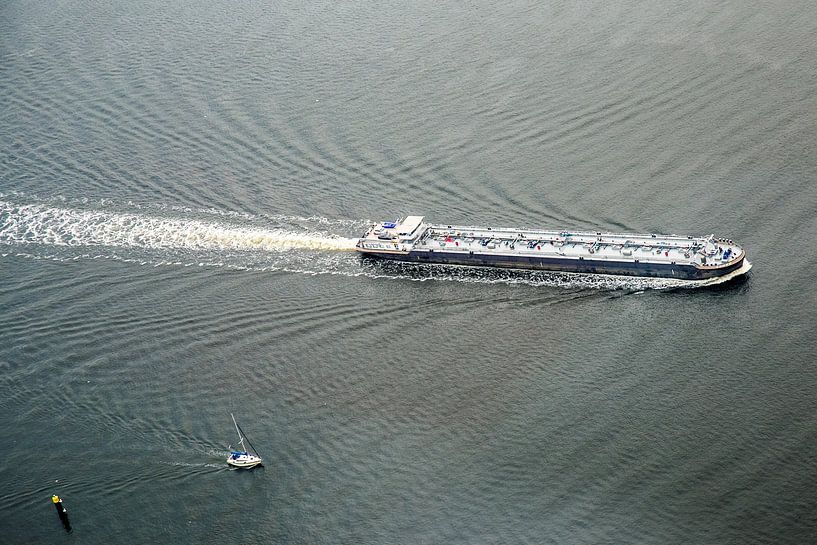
(646, 255)
(573, 265)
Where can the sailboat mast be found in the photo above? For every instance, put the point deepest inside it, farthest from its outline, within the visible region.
(252, 448)
(238, 431)
(236, 425)
(242, 435)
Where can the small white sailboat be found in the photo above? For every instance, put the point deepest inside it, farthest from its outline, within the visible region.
(244, 458)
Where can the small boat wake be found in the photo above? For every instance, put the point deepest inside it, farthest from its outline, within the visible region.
(192, 465)
(63, 230)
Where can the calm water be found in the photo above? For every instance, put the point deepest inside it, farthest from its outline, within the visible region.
(180, 183)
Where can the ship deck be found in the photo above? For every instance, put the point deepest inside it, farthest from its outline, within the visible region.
(645, 248)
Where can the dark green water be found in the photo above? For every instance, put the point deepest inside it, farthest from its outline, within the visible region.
(180, 184)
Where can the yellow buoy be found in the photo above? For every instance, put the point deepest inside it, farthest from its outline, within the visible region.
(57, 501)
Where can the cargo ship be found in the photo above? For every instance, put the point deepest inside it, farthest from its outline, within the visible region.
(649, 255)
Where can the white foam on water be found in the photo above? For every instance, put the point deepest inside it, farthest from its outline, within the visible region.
(49, 225)
(188, 464)
(745, 268)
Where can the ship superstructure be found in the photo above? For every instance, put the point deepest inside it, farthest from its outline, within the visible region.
(652, 255)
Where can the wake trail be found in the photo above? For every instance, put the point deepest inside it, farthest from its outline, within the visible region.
(49, 225)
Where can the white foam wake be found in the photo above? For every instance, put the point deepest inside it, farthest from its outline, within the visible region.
(48, 225)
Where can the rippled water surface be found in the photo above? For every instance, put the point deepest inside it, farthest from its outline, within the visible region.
(181, 185)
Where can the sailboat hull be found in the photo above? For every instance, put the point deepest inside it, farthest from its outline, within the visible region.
(245, 461)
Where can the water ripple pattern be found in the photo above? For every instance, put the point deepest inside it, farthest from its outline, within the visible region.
(181, 186)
